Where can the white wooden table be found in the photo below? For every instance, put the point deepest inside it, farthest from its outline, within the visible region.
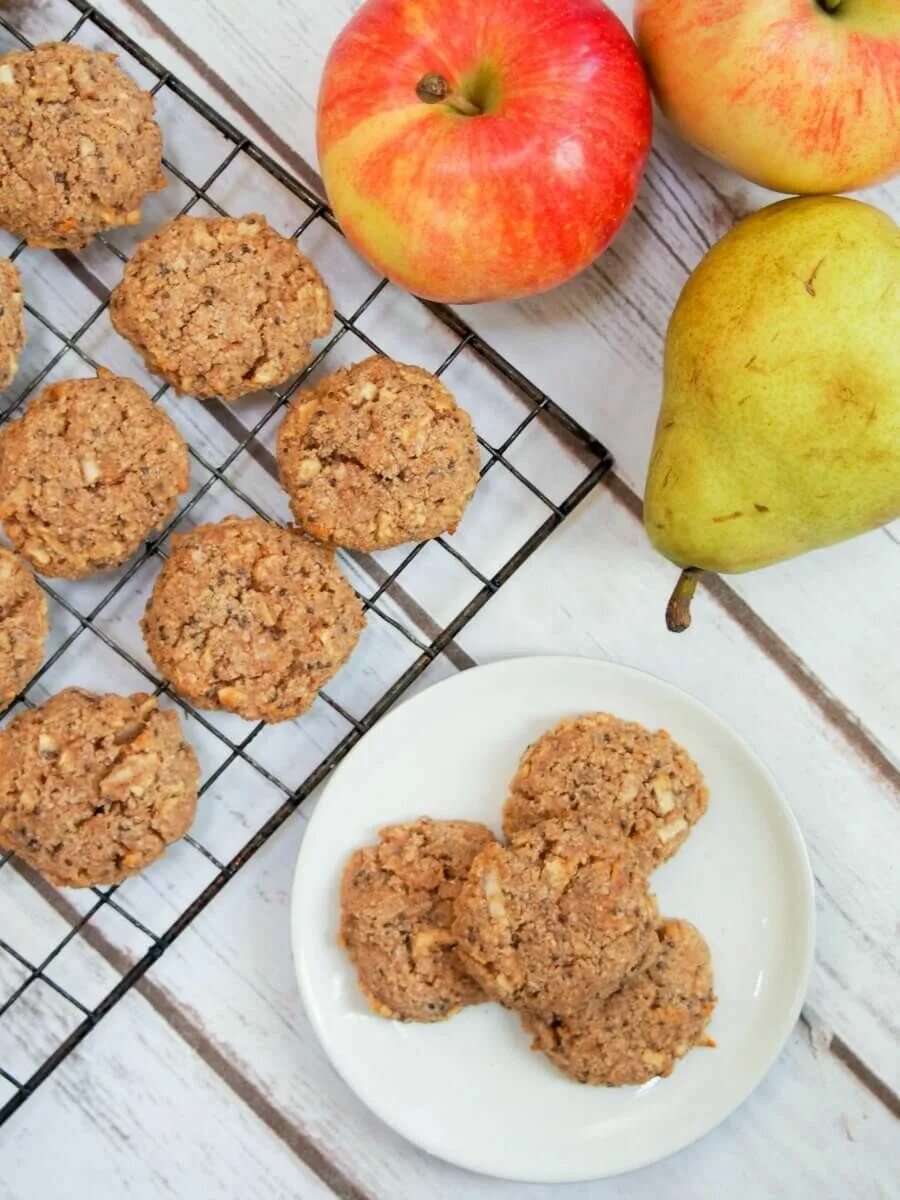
(206, 1080)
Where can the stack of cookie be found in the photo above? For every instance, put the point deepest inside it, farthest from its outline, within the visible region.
(558, 923)
(245, 615)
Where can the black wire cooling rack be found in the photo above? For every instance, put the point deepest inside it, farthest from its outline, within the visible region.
(66, 958)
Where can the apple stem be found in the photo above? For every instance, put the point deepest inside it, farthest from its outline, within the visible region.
(678, 610)
(433, 88)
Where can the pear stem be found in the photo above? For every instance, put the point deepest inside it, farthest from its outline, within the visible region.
(678, 610)
(433, 88)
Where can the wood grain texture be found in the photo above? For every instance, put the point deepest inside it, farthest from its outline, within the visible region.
(803, 668)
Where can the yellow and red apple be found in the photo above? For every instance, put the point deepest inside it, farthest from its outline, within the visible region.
(482, 149)
(797, 95)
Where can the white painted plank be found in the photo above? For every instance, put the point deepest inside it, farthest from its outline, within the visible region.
(587, 343)
(136, 1112)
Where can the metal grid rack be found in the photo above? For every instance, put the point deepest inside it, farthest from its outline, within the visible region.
(66, 958)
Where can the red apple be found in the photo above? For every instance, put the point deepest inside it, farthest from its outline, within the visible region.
(482, 149)
(798, 95)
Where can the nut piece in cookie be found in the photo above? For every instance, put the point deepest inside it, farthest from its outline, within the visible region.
(93, 787)
(377, 454)
(555, 921)
(396, 911)
(601, 767)
(12, 322)
(23, 625)
(252, 618)
(221, 306)
(90, 471)
(79, 148)
(643, 1029)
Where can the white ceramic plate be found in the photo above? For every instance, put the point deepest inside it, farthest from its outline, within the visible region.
(469, 1089)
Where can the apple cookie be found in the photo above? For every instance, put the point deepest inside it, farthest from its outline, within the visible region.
(557, 920)
(12, 322)
(79, 148)
(90, 471)
(396, 912)
(252, 618)
(23, 625)
(641, 1030)
(221, 306)
(377, 454)
(93, 787)
(602, 767)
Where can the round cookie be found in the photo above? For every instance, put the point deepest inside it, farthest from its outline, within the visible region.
(643, 1029)
(12, 322)
(221, 306)
(79, 148)
(93, 787)
(252, 618)
(90, 471)
(396, 911)
(23, 625)
(555, 921)
(377, 454)
(602, 767)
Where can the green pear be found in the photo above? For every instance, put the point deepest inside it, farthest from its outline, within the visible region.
(779, 430)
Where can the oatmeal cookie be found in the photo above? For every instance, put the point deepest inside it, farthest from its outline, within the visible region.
(396, 911)
(87, 474)
(555, 921)
(598, 765)
(377, 454)
(12, 322)
(221, 306)
(79, 148)
(93, 787)
(643, 1029)
(250, 617)
(23, 625)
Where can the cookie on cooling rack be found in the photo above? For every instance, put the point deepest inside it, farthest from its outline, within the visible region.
(221, 306)
(643, 1029)
(23, 625)
(252, 618)
(90, 471)
(602, 767)
(12, 323)
(396, 911)
(93, 787)
(377, 454)
(557, 920)
(79, 148)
